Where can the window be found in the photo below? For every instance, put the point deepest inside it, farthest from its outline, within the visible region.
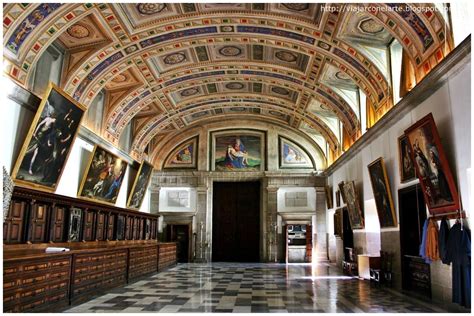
(396, 52)
(48, 68)
(95, 112)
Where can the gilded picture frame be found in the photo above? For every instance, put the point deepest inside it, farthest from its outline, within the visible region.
(382, 193)
(49, 141)
(140, 184)
(353, 205)
(432, 167)
(103, 177)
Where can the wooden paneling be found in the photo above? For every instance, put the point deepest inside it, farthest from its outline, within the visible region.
(136, 227)
(142, 261)
(94, 272)
(100, 226)
(13, 227)
(35, 281)
(57, 231)
(88, 229)
(129, 228)
(38, 216)
(166, 255)
(110, 226)
(36, 285)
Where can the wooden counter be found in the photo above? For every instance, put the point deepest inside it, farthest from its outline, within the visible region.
(36, 281)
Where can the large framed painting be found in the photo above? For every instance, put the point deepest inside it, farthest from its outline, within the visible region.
(140, 185)
(407, 168)
(293, 156)
(353, 205)
(432, 167)
(329, 201)
(184, 156)
(103, 177)
(48, 143)
(238, 150)
(382, 193)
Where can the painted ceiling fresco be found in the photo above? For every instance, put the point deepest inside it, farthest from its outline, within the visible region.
(166, 67)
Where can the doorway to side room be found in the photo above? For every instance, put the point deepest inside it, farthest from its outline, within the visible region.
(236, 222)
(415, 272)
(180, 234)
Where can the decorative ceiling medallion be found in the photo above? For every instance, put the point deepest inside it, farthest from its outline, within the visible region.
(342, 75)
(150, 8)
(286, 56)
(131, 49)
(234, 86)
(296, 6)
(189, 92)
(370, 26)
(324, 45)
(230, 51)
(78, 30)
(173, 59)
(227, 28)
(119, 78)
(280, 90)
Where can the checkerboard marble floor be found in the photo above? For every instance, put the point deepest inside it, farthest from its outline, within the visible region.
(253, 288)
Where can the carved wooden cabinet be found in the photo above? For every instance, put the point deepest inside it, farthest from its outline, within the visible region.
(14, 225)
(57, 232)
(88, 225)
(36, 284)
(166, 255)
(94, 272)
(142, 261)
(36, 281)
(38, 218)
(110, 226)
(100, 226)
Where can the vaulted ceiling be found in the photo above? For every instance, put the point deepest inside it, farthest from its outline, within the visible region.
(167, 67)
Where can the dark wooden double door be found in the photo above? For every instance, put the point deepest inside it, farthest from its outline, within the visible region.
(236, 222)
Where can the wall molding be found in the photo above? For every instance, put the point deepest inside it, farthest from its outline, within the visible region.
(449, 67)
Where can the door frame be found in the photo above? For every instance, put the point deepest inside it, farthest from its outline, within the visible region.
(190, 237)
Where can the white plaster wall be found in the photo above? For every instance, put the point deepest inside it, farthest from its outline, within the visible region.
(451, 109)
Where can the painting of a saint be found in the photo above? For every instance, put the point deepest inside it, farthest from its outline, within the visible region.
(49, 141)
(293, 155)
(183, 156)
(104, 176)
(432, 167)
(238, 152)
